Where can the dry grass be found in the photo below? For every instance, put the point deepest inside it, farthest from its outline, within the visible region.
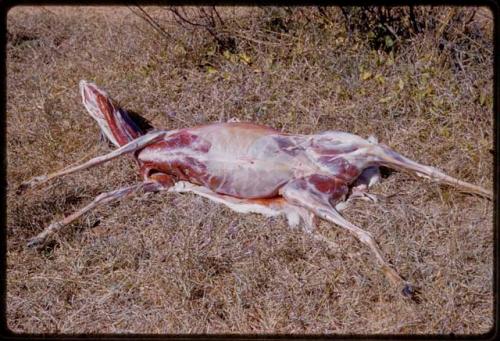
(169, 263)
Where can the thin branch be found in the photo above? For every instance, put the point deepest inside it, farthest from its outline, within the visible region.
(390, 29)
(218, 15)
(184, 19)
(146, 17)
(208, 27)
(465, 36)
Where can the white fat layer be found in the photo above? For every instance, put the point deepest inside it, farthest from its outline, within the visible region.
(245, 165)
(336, 138)
(372, 139)
(293, 218)
(238, 205)
(294, 214)
(341, 206)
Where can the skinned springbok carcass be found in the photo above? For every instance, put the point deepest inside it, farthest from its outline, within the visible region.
(250, 168)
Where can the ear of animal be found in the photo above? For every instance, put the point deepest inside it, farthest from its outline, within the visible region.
(130, 147)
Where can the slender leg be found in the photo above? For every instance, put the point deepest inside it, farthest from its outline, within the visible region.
(389, 158)
(314, 194)
(132, 146)
(101, 199)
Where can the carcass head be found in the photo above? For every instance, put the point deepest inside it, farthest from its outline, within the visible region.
(116, 123)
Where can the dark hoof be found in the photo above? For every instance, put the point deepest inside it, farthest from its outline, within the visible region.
(35, 242)
(412, 293)
(22, 188)
(30, 184)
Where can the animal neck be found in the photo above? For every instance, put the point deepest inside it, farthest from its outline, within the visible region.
(122, 127)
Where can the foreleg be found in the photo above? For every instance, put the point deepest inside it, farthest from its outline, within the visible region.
(101, 199)
(130, 147)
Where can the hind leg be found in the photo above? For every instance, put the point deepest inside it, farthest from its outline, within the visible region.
(383, 155)
(318, 193)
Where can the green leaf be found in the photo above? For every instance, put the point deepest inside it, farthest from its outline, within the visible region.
(445, 132)
(385, 99)
(245, 58)
(366, 75)
(379, 78)
(482, 99)
(211, 69)
(390, 60)
(233, 58)
(401, 84)
(388, 41)
(211, 50)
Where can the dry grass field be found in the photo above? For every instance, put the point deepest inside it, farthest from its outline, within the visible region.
(171, 263)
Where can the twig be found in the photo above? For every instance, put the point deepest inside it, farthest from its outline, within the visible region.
(218, 16)
(392, 31)
(466, 37)
(146, 17)
(414, 20)
(470, 19)
(205, 26)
